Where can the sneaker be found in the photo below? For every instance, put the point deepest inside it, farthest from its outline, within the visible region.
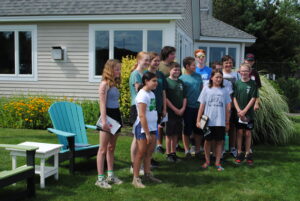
(177, 159)
(160, 149)
(249, 159)
(239, 159)
(141, 170)
(179, 148)
(103, 184)
(154, 163)
(114, 180)
(171, 158)
(193, 149)
(233, 152)
(150, 177)
(137, 182)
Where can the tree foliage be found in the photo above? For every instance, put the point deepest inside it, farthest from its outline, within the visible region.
(275, 24)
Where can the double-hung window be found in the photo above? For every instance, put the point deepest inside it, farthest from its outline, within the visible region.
(18, 53)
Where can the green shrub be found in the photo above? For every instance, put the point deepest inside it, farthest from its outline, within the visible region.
(32, 111)
(272, 124)
(291, 89)
(125, 100)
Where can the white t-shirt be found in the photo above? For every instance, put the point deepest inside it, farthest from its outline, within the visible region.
(151, 114)
(227, 84)
(215, 100)
(232, 77)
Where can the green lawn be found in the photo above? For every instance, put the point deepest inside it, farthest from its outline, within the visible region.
(275, 175)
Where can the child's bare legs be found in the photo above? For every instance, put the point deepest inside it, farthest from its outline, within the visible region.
(174, 141)
(110, 152)
(197, 142)
(148, 155)
(239, 140)
(207, 148)
(133, 150)
(186, 142)
(168, 144)
(104, 140)
(248, 141)
(140, 154)
(218, 151)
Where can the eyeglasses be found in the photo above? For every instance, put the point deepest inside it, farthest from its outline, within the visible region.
(244, 71)
(200, 56)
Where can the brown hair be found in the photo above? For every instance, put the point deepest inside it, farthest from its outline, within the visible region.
(226, 58)
(188, 61)
(108, 73)
(139, 56)
(215, 71)
(153, 55)
(165, 51)
(174, 65)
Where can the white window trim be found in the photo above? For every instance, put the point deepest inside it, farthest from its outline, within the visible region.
(225, 45)
(186, 41)
(168, 38)
(17, 76)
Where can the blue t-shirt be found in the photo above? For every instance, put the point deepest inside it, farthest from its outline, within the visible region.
(135, 77)
(192, 86)
(205, 72)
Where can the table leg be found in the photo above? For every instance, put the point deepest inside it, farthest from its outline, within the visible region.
(42, 174)
(14, 164)
(56, 165)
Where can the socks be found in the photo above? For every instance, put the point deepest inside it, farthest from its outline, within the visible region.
(110, 173)
(101, 177)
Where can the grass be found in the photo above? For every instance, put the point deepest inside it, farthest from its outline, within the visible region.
(275, 175)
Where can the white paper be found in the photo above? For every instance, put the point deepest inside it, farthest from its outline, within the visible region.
(242, 122)
(113, 124)
(164, 119)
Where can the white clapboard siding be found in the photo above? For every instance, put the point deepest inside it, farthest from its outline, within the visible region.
(56, 78)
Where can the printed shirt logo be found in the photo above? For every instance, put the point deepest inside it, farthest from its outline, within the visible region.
(180, 86)
(152, 105)
(216, 101)
(248, 89)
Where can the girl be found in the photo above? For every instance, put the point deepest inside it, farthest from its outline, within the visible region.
(160, 96)
(215, 102)
(109, 106)
(135, 81)
(145, 129)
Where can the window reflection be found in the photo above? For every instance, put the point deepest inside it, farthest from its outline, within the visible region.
(25, 53)
(7, 53)
(216, 53)
(154, 41)
(102, 50)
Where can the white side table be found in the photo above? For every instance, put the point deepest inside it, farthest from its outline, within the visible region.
(45, 151)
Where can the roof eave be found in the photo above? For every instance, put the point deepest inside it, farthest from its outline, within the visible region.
(125, 17)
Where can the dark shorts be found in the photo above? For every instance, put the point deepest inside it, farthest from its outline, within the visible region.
(189, 119)
(138, 132)
(217, 133)
(174, 126)
(249, 126)
(233, 116)
(133, 115)
(115, 114)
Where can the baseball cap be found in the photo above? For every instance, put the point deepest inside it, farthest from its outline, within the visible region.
(250, 57)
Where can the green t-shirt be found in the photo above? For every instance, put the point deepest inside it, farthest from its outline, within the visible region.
(165, 69)
(175, 93)
(193, 87)
(243, 92)
(135, 77)
(158, 92)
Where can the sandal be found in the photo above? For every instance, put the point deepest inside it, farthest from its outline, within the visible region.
(205, 165)
(219, 168)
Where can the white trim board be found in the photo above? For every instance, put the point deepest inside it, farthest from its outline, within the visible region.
(218, 39)
(137, 17)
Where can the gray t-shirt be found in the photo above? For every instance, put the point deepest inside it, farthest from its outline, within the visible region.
(215, 100)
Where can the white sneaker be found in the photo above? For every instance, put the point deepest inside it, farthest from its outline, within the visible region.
(193, 150)
(137, 182)
(103, 184)
(141, 170)
(114, 180)
(234, 152)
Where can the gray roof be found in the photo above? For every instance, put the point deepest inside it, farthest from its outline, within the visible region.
(212, 27)
(89, 7)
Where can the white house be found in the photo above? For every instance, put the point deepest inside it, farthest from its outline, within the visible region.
(59, 47)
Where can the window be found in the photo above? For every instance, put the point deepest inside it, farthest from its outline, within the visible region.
(17, 55)
(184, 47)
(215, 52)
(107, 41)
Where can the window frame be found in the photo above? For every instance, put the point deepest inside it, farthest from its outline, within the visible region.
(111, 28)
(222, 45)
(17, 76)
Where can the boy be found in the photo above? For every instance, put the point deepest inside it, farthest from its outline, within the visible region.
(193, 86)
(176, 102)
(245, 95)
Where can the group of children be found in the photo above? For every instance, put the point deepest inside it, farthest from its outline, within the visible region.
(164, 96)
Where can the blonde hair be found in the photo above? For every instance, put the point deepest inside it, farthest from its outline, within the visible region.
(246, 65)
(139, 56)
(108, 73)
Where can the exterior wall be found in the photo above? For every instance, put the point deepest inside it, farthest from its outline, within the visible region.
(58, 78)
(186, 24)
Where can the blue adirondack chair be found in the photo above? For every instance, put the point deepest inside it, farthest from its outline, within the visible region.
(68, 123)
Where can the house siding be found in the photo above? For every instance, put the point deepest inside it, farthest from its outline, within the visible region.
(59, 78)
(186, 24)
